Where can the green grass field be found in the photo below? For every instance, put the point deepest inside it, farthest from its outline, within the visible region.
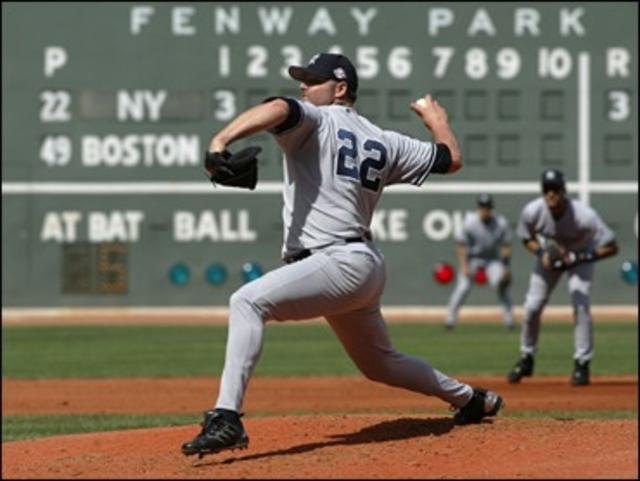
(292, 349)
(289, 350)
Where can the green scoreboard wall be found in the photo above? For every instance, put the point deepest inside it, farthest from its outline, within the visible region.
(107, 109)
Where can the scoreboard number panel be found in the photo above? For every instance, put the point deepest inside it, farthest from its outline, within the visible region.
(95, 268)
(108, 110)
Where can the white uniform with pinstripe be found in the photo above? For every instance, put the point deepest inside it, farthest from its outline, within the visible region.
(336, 164)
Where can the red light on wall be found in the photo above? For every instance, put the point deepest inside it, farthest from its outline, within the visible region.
(480, 276)
(443, 273)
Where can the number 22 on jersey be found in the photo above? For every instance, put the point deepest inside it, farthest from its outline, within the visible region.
(366, 169)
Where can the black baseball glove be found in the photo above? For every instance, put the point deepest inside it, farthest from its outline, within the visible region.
(561, 259)
(234, 170)
(505, 280)
(556, 257)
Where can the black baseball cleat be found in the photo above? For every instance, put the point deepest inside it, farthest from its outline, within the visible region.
(580, 376)
(482, 404)
(221, 430)
(524, 367)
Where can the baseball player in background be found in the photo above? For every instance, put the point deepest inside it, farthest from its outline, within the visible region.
(483, 242)
(564, 235)
(336, 164)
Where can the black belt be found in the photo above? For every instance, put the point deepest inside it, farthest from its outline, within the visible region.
(304, 253)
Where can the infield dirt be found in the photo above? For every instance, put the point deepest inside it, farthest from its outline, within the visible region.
(412, 438)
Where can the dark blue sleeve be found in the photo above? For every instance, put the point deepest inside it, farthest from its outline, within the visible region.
(442, 162)
(295, 115)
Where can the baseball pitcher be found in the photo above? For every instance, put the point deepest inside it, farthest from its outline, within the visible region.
(565, 235)
(336, 164)
(483, 242)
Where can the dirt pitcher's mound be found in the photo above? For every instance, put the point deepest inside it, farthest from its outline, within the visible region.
(346, 446)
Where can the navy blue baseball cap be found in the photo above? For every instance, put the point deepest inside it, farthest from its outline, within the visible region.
(327, 66)
(485, 200)
(552, 179)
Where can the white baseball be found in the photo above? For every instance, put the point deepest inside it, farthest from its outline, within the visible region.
(421, 102)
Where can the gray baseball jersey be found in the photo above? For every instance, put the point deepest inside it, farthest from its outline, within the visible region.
(327, 196)
(336, 165)
(580, 227)
(483, 240)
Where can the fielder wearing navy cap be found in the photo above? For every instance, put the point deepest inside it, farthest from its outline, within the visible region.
(328, 66)
(552, 179)
(485, 200)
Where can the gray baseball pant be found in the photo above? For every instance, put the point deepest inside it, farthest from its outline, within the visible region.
(343, 284)
(541, 284)
(495, 270)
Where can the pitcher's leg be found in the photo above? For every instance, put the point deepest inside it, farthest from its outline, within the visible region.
(244, 346)
(364, 335)
(309, 288)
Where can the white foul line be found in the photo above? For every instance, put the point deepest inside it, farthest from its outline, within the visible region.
(584, 127)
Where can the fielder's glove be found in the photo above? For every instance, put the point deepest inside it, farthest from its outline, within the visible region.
(561, 259)
(234, 170)
(556, 257)
(505, 280)
(572, 258)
